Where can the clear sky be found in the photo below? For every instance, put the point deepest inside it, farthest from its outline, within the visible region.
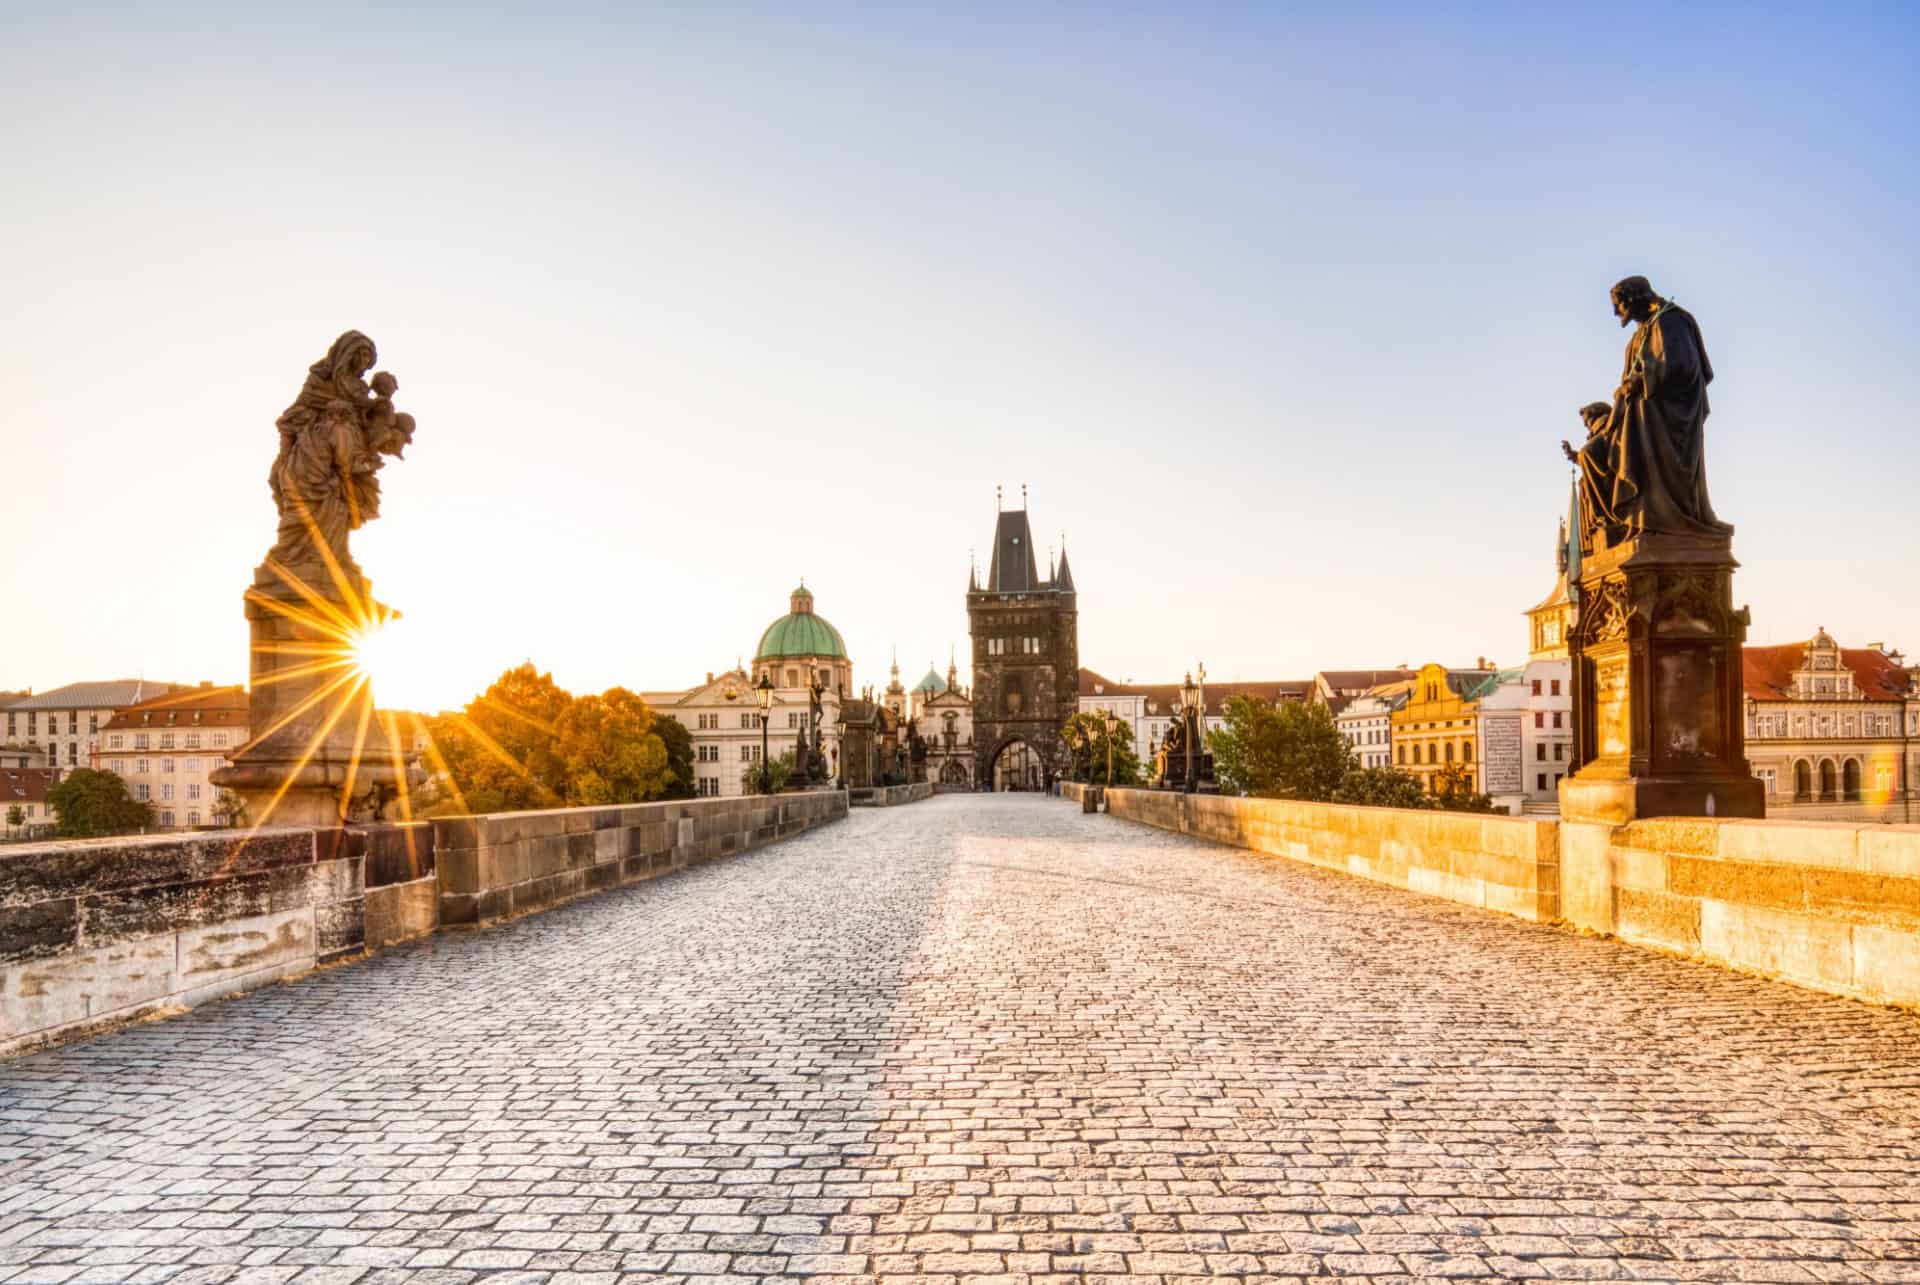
(1279, 314)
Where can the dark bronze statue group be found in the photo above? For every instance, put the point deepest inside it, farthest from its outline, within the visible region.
(1643, 466)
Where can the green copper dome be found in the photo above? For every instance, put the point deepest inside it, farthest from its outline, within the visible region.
(800, 633)
(932, 684)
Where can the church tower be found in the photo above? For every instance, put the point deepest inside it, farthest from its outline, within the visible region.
(1026, 659)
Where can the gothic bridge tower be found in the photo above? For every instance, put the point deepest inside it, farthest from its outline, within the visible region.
(1026, 660)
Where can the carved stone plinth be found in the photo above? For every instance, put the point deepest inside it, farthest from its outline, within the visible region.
(1657, 708)
(318, 756)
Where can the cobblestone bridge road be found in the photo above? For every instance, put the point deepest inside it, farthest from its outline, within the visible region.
(981, 1039)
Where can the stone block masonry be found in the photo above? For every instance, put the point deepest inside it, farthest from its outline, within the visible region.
(492, 867)
(1835, 908)
(100, 931)
(96, 931)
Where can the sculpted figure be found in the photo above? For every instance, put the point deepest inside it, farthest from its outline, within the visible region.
(1597, 461)
(333, 440)
(1657, 424)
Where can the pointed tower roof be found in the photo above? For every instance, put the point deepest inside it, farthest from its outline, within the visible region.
(1014, 569)
(1063, 578)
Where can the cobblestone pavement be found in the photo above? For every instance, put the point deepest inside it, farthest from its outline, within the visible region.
(981, 1039)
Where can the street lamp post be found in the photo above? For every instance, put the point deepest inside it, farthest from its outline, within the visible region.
(765, 688)
(1191, 703)
(1108, 714)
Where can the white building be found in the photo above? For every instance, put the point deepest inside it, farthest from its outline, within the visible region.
(943, 717)
(65, 723)
(167, 747)
(1366, 721)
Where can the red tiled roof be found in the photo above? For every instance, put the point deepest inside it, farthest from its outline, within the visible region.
(216, 707)
(24, 785)
(1768, 671)
(1165, 697)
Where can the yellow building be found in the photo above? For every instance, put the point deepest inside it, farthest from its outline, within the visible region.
(1438, 726)
(1549, 620)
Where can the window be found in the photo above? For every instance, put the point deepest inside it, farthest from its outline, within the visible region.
(1466, 751)
(139, 740)
(1559, 751)
(166, 819)
(1449, 751)
(218, 739)
(1539, 719)
(166, 767)
(115, 741)
(73, 751)
(1556, 687)
(193, 818)
(746, 718)
(1556, 717)
(1402, 753)
(193, 740)
(140, 791)
(793, 718)
(73, 723)
(1540, 751)
(140, 767)
(166, 792)
(93, 722)
(746, 753)
(1536, 687)
(193, 791)
(1540, 781)
(166, 740)
(33, 723)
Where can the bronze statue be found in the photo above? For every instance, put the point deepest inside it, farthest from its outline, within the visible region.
(1597, 461)
(1647, 469)
(333, 441)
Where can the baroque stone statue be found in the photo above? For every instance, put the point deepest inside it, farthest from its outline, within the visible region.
(334, 439)
(1643, 468)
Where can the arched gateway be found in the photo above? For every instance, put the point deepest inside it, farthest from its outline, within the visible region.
(1017, 765)
(1026, 660)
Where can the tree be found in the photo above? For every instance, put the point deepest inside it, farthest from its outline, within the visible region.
(1453, 791)
(1382, 787)
(16, 817)
(526, 743)
(1285, 751)
(608, 752)
(678, 741)
(1086, 736)
(229, 809)
(88, 802)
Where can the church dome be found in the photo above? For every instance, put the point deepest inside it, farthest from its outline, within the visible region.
(932, 684)
(800, 633)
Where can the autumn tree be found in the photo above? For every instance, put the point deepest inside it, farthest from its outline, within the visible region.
(1453, 791)
(87, 801)
(1382, 787)
(607, 751)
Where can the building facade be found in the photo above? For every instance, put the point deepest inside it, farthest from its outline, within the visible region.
(1833, 732)
(1026, 661)
(166, 748)
(943, 717)
(1366, 721)
(66, 723)
(1438, 727)
(798, 652)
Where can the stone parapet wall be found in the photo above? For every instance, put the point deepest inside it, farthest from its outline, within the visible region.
(1835, 907)
(94, 931)
(491, 867)
(1504, 863)
(890, 796)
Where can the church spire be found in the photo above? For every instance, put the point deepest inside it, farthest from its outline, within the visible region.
(1063, 578)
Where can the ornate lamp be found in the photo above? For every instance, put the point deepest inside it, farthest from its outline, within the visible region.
(1190, 700)
(765, 688)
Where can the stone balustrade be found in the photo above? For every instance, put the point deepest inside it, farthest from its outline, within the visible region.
(891, 796)
(1832, 907)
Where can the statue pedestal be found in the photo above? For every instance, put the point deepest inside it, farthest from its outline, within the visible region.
(319, 756)
(1657, 689)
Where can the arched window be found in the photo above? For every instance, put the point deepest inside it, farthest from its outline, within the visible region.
(1449, 751)
(1802, 781)
(1850, 780)
(1402, 757)
(1466, 751)
(1829, 782)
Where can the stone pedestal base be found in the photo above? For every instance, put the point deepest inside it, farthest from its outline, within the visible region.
(1657, 685)
(319, 756)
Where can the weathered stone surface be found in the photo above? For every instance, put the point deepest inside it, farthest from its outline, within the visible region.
(39, 929)
(221, 958)
(398, 912)
(46, 994)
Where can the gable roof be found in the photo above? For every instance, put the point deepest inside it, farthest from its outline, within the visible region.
(111, 694)
(1767, 672)
(192, 707)
(24, 785)
(1164, 698)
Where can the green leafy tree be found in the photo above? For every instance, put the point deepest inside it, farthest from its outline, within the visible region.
(1086, 737)
(88, 802)
(229, 809)
(1285, 751)
(1453, 791)
(16, 817)
(1382, 787)
(678, 741)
